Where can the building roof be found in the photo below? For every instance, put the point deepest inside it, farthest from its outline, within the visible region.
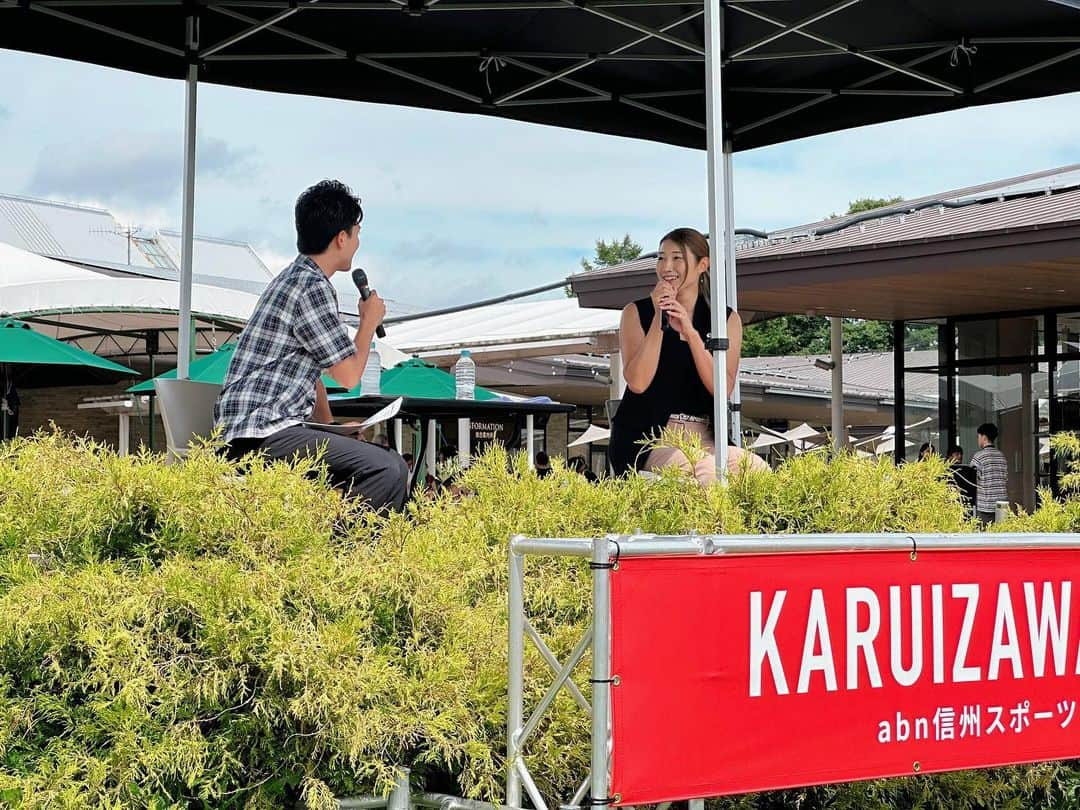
(93, 236)
(963, 251)
(511, 330)
(867, 375)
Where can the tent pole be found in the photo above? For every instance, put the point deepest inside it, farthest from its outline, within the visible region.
(187, 240)
(732, 281)
(714, 39)
(3, 400)
(837, 345)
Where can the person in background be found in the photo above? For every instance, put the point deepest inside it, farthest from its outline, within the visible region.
(579, 465)
(963, 478)
(543, 465)
(926, 450)
(273, 383)
(991, 474)
(668, 369)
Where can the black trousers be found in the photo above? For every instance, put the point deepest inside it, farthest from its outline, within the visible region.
(359, 469)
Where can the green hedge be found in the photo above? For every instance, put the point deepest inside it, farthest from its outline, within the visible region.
(202, 636)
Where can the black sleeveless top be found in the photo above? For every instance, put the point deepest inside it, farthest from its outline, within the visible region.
(676, 388)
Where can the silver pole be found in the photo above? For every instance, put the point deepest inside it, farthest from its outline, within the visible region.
(601, 665)
(187, 239)
(464, 426)
(530, 440)
(732, 280)
(714, 41)
(515, 676)
(399, 797)
(837, 345)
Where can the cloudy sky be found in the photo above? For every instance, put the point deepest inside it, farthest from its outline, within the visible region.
(460, 207)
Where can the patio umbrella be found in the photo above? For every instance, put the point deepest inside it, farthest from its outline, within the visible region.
(34, 360)
(211, 368)
(595, 433)
(30, 359)
(416, 379)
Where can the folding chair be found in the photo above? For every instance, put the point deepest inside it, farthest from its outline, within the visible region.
(187, 411)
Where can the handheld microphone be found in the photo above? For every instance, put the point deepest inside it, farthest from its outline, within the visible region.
(359, 278)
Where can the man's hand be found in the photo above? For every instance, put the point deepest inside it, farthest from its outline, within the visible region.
(372, 311)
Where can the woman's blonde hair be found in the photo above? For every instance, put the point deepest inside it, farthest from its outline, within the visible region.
(694, 243)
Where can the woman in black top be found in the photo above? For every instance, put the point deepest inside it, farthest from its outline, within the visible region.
(668, 370)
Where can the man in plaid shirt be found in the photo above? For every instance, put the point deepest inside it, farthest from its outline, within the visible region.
(991, 474)
(273, 384)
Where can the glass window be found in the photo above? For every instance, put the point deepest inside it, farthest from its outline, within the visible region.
(1068, 333)
(923, 392)
(921, 345)
(1014, 398)
(155, 254)
(1000, 337)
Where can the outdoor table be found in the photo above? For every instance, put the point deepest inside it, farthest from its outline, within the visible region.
(429, 410)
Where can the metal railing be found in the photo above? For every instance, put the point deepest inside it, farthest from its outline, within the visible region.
(604, 554)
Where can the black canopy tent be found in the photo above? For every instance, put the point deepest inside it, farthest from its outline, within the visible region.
(640, 68)
(792, 68)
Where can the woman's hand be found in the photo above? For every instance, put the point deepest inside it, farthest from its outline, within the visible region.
(662, 294)
(678, 317)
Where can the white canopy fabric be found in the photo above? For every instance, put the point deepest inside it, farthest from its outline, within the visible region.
(33, 285)
(803, 431)
(595, 433)
(765, 440)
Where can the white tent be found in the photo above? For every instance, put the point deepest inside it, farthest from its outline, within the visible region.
(82, 299)
(33, 285)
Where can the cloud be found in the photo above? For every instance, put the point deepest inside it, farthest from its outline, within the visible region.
(134, 168)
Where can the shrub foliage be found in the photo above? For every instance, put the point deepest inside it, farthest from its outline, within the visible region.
(212, 636)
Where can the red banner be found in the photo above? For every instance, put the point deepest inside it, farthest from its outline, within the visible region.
(749, 673)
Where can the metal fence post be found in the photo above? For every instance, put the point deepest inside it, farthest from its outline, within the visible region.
(400, 798)
(516, 675)
(601, 668)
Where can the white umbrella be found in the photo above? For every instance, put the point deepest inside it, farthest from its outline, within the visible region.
(765, 440)
(593, 434)
(888, 445)
(803, 431)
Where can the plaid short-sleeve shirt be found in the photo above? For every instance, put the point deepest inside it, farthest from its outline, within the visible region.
(294, 334)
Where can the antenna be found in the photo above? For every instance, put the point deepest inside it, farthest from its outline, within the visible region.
(126, 231)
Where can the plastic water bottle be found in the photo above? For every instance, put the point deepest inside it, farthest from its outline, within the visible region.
(465, 377)
(369, 383)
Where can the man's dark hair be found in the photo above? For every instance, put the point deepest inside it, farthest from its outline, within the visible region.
(542, 459)
(955, 448)
(988, 430)
(322, 212)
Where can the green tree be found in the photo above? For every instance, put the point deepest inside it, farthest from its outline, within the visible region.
(870, 203)
(608, 254)
(611, 253)
(802, 334)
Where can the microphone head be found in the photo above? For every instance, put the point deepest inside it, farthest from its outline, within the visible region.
(359, 278)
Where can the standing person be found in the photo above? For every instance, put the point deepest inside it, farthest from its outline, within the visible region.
(295, 334)
(542, 464)
(991, 474)
(668, 370)
(963, 478)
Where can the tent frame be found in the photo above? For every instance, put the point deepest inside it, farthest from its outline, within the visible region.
(720, 196)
